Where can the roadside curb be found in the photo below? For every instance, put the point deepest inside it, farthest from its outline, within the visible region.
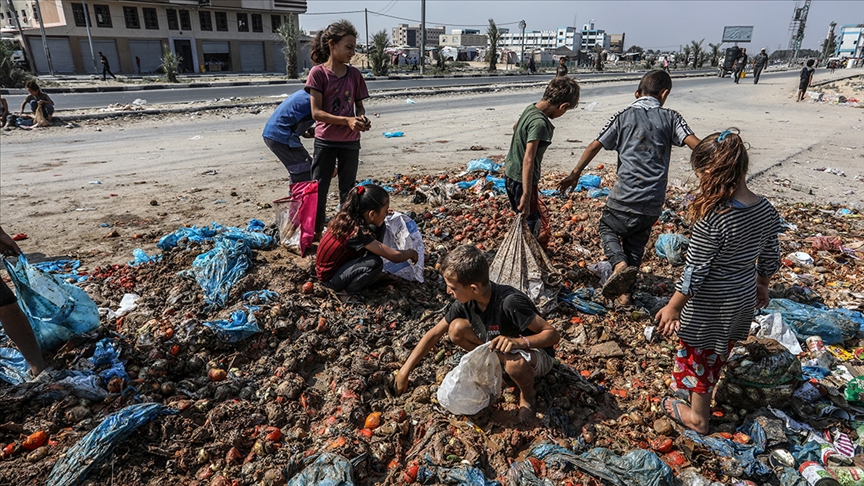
(829, 81)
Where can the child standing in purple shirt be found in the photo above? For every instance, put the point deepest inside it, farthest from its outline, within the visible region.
(337, 91)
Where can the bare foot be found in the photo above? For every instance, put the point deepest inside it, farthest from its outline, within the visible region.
(623, 300)
(527, 413)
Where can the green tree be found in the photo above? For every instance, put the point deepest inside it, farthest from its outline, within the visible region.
(494, 36)
(715, 54)
(377, 57)
(11, 76)
(698, 53)
(686, 52)
(289, 34)
(634, 49)
(170, 64)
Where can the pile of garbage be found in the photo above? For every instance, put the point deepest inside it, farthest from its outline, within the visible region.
(222, 361)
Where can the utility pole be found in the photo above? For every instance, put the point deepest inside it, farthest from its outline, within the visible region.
(89, 37)
(366, 12)
(422, 36)
(522, 26)
(44, 39)
(26, 50)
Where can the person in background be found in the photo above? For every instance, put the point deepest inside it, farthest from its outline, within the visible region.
(562, 67)
(734, 251)
(291, 120)
(760, 61)
(106, 69)
(38, 100)
(740, 65)
(4, 112)
(138, 63)
(805, 79)
(14, 322)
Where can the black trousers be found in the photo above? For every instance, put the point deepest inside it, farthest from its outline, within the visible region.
(624, 236)
(357, 274)
(105, 70)
(326, 158)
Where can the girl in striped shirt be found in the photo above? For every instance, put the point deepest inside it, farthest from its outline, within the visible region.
(733, 253)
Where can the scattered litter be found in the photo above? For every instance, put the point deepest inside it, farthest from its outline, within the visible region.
(392, 134)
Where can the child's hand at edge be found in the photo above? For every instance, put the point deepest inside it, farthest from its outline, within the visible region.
(525, 205)
(668, 321)
(762, 297)
(412, 255)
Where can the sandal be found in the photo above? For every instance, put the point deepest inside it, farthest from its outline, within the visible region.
(675, 403)
(620, 282)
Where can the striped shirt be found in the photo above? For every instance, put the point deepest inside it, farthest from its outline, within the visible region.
(726, 253)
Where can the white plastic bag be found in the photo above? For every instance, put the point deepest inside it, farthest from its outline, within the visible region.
(403, 234)
(468, 388)
(773, 327)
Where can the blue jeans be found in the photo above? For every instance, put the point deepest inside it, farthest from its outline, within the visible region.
(47, 109)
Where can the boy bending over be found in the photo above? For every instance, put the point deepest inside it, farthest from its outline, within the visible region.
(643, 135)
(485, 311)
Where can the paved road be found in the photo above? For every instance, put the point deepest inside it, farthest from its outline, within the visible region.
(71, 101)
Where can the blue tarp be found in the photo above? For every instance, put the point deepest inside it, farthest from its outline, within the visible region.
(327, 470)
(13, 367)
(237, 329)
(63, 269)
(635, 468)
(832, 325)
(261, 296)
(483, 164)
(217, 270)
(672, 247)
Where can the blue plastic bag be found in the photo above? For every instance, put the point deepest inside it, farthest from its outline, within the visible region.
(63, 269)
(582, 303)
(745, 454)
(587, 181)
(255, 225)
(672, 247)
(93, 448)
(13, 368)
(194, 233)
(237, 329)
(140, 257)
(392, 134)
(106, 355)
(217, 270)
(636, 468)
(261, 296)
(521, 473)
(497, 184)
(465, 476)
(327, 470)
(832, 325)
(57, 310)
(598, 193)
(484, 164)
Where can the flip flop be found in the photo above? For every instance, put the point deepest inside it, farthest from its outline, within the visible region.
(675, 403)
(620, 282)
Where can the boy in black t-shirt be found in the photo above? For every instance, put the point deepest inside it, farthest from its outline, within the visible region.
(805, 79)
(485, 311)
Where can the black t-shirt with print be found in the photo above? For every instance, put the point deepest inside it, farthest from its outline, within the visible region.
(509, 314)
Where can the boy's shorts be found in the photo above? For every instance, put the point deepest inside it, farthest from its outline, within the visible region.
(543, 362)
(6, 295)
(697, 370)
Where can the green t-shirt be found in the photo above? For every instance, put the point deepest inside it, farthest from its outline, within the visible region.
(532, 125)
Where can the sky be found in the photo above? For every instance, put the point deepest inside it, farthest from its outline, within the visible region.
(661, 25)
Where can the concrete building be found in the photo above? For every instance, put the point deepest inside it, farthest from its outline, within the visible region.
(409, 35)
(850, 42)
(591, 37)
(209, 35)
(541, 39)
(463, 38)
(616, 43)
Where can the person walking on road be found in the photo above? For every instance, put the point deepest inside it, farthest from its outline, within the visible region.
(740, 65)
(759, 63)
(106, 69)
(562, 67)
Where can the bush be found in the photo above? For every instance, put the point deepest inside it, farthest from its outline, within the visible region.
(170, 64)
(11, 76)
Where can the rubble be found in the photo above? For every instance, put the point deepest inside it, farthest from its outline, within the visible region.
(307, 393)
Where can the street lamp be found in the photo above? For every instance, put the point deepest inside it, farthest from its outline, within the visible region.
(522, 26)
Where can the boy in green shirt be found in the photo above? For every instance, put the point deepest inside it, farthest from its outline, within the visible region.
(532, 134)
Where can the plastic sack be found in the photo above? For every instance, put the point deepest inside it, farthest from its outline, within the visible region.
(832, 325)
(483, 164)
(106, 355)
(587, 181)
(760, 372)
(521, 473)
(465, 476)
(602, 270)
(327, 470)
(237, 329)
(468, 387)
(745, 454)
(523, 265)
(636, 468)
(295, 216)
(63, 269)
(598, 193)
(403, 234)
(800, 259)
(83, 384)
(255, 239)
(13, 368)
(672, 247)
(57, 310)
(97, 445)
(217, 270)
(198, 235)
(772, 327)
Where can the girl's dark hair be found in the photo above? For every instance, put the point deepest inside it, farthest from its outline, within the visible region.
(360, 201)
(335, 32)
(720, 160)
(31, 84)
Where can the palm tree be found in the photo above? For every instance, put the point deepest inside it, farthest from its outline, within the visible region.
(686, 52)
(377, 57)
(715, 53)
(494, 36)
(289, 34)
(698, 53)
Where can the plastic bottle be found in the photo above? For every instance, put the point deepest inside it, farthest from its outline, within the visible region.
(816, 475)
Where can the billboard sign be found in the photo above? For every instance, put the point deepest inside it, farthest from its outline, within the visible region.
(737, 33)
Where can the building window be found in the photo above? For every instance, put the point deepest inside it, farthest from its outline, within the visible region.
(172, 19)
(103, 15)
(151, 20)
(257, 23)
(242, 22)
(131, 16)
(185, 20)
(205, 20)
(78, 13)
(222, 21)
(275, 22)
